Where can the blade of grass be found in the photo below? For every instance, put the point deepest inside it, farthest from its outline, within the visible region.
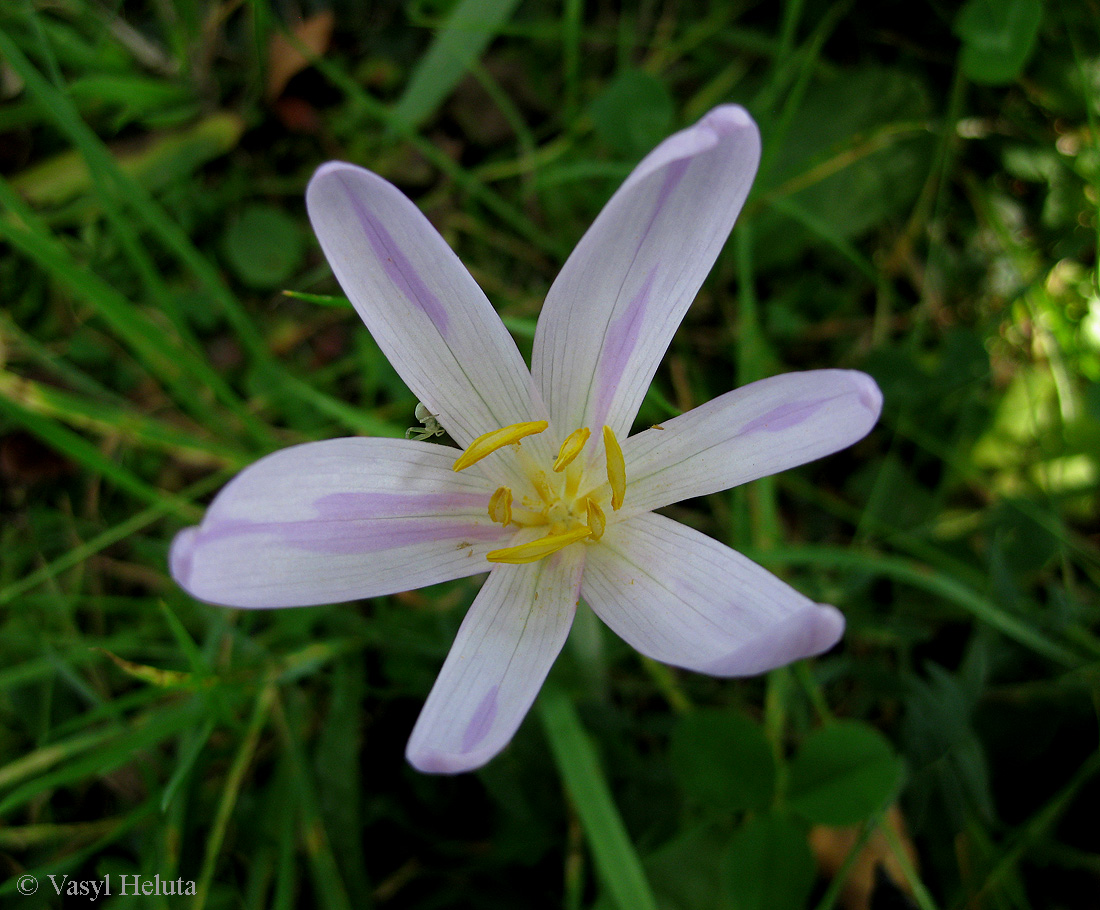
(147, 730)
(67, 119)
(261, 709)
(109, 537)
(619, 867)
(76, 859)
(797, 68)
(465, 34)
(46, 757)
(103, 165)
(179, 368)
(927, 579)
(19, 343)
(326, 872)
(377, 111)
(1039, 826)
(571, 57)
(119, 422)
(83, 452)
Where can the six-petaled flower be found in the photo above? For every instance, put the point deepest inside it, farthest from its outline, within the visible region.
(549, 494)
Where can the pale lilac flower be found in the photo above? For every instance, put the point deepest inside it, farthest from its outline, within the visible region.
(568, 512)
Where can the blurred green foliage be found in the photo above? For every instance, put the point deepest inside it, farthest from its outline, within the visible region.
(926, 211)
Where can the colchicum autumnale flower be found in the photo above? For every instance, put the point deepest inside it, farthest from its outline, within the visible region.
(549, 494)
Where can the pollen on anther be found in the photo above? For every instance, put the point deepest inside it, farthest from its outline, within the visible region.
(571, 448)
(616, 468)
(537, 549)
(487, 443)
(500, 506)
(597, 520)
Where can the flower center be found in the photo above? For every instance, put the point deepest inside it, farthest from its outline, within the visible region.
(565, 502)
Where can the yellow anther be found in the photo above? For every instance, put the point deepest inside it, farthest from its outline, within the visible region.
(571, 448)
(542, 487)
(616, 468)
(597, 521)
(500, 506)
(487, 443)
(537, 549)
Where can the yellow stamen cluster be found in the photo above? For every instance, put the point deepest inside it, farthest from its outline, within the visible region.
(564, 502)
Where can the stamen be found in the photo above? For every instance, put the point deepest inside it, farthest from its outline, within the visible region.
(487, 443)
(574, 474)
(537, 549)
(542, 487)
(571, 448)
(597, 521)
(500, 506)
(616, 468)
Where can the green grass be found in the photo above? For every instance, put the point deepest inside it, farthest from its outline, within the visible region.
(926, 211)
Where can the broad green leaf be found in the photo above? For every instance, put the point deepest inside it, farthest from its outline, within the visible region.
(998, 38)
(723, 761)
(633, 113)
(687, 871)
(769, 866)
(857, 159)
(843, 774)
(264, 246)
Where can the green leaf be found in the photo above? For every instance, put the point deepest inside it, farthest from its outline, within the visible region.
(263, 246)
(843, 774)
(769, 866)
(998, 38)
(687, 872)
(468, 30)
(157, 161)
(858, 159)
(633, 113)
(617, 862)
(723, 761)
(950, 774)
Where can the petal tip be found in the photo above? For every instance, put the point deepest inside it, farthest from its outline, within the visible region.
(728, 117)
(332, 177)
(181, 557)
(870, 395)
(433, 761)
(331, 168)
(828, 627)
(810, 631)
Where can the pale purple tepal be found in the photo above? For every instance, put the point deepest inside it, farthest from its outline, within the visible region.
(544, 496)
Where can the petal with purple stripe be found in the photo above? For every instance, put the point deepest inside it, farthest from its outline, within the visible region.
(682, 598)
(338, 520)
(504, 649)
(757, 430)
(426, 312)
(396, 264)
(613, 310)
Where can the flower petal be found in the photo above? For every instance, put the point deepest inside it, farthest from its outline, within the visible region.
(504, 649)
(684, 599)
(611, 313)
(757, 430)
(426, 312)
(338, 520)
